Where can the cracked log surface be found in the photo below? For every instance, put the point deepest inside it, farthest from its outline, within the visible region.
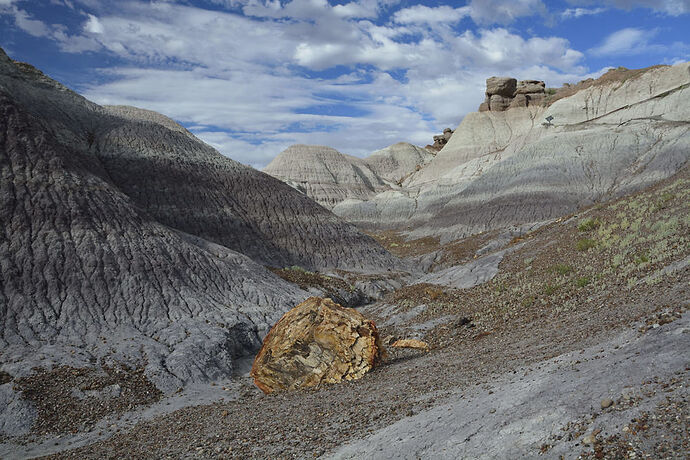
(316, 342)
(125, 239)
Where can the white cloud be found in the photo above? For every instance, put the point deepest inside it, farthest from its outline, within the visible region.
(579, 12)
(93, 25)
(421, 14)
(30, 26)
(504, 11)
(670, 7)
(627, 42)
(243, 83)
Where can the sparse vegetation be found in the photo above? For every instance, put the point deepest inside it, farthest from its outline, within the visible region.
(582, 281)
(588, 224)
(562, 269)
(585, 244)
(550, 289)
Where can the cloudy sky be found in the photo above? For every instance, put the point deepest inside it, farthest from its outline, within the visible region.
(251, 77)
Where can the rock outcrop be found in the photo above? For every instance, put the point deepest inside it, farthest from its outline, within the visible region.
(330, 177)
(127, 240)
(440, 140)
(316, 342)
(609, 137)
(503, 93)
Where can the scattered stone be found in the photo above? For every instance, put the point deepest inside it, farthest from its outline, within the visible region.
(606, 403)
(590, 439)
(316, 342)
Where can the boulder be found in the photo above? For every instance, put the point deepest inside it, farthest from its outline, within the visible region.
(530, 86)
(501, 86)
(499, 103)
(316, 342)
(520, 100)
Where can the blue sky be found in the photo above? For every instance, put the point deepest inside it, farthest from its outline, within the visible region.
(252, 77)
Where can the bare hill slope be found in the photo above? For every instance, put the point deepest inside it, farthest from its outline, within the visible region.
(126, 241)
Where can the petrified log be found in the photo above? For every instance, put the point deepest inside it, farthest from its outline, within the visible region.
(316, 342)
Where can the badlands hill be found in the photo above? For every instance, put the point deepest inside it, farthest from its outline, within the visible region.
(526, 156)
(127, 241)
(329, 177)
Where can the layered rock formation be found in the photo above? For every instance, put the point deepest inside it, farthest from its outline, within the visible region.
(330, 177)
(126, 239)
(316, 342)
(500, 168)
(503, 93)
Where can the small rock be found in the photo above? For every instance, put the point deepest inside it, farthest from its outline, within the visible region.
(606, 403)
(589, 439)
(411, 343)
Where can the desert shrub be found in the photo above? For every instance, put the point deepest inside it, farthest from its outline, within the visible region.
(297, 268)
(582, 282)
(585, 244)
(550, 289)
(562, 269)
(588, 224)
(433, 293)
(641, 258)
(528, 301)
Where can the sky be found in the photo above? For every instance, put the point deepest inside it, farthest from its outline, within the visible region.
(251, 77)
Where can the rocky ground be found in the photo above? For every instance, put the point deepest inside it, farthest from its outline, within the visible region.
(589, 308)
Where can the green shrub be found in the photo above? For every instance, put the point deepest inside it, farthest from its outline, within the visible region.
(588, 224)
(641, 258)
(582, 282)
(528, 301)
(562, 269)
(585, 244)
(550, 289)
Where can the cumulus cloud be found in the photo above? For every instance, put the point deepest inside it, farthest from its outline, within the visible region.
(93, 25)
(579, 12)
(258, 76)
(422, 14)
(626, 42)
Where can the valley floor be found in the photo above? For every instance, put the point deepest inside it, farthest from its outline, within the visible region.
(588, 308)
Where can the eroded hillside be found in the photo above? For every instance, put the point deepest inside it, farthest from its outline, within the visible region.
(127, 242)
